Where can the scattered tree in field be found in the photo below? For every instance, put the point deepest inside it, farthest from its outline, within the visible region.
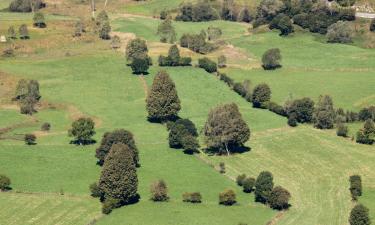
(26, 5)
(261, 96)
(115, 137)
(355, 186)
(359, 215)
(116, 42)
(222, 167)
(22, 89)
(167, 32)
(207, 64)
(302, 109)
(104, 30)
(240, 179)
(324, 113)
(164, 14)
(183, 134)
(79, 29)
(4, 183)
(102, 18)
(342, 130)
(45, 127)
(159, 191)
(372, 25)
(39, 20)
(213, 33)
(82, 130)
(27, 105)
(33, 89)
(340, 32)
(225, 129)
(263, 187)
(140, 64)
(12, 33)
(227, 197)
(248, 184)
(163, 103)
(136, 48)
(118, 180)
(24, 32)
(174, 58)
(271, 59)
(30, 139)
(192, 197)
(366, 135)
(222, 61)
(367, 113)
(279, 198)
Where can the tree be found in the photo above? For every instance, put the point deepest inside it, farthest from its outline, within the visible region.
(118, 179)
(167, 32)
(283, 23)
(267, 10)
(340, 32)
(303, 109)
(30, 139)
(33, 89)
(25, 5)
(240, 179)
(214, 33)
(261, 96)
(366, 135)
(135, 48)
(342, 130)
(140, 64)
(4, 183)
(292, 120)
(228, 10)
(45, 127)
(193, 197)
(104, 30)
(355, 186)
(324, 113)
(263, 187)
(95, 190)
(225, 129)
(39, 20)
(279, 198)
(174, 55)
(27, 105)
(183, 134)
(22, 89)
(12, 33)
(82, 130)
(359, 215)
(102, 18)
(372, 25)
(115, 137)
(116, 42)
(227, 197)
(79, 29)
(208, 65)
(162, 101)
(245, 15)
(271, 59)
(24, 32)
(159, 191)
(248, 184)
(222, 61)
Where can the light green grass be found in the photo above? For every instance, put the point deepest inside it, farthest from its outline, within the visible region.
(313, 165)
(10, 117)
(44, 209)
(368, 200)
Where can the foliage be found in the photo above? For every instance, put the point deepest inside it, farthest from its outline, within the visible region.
(192, 197)
(367, 113)
(135, 48)
(271, 59)
(276, 108)
(12, 33)
(263, 187)
(24, 32)
(82, 130)
(79, 28)
(355, 186)
(267, 10)
(222, 169)
(372, 25)
(39, 20)
(283, 23)
(115, 137)
(162, 101)
(30, 139)
(359, 215)
(342, 130)
(118, 179)
(279, 198)
(104, 30)
(116, 42)
(207, 64)
(166, 31)
(27, 105)
(248, 184)
(261, 96)
(198, 12)
(324, 113)
(183, 134)
(159, 191)
(4, 183)
(222, 61)
(292, 120)
(25, 5)
(95, 190)
(196, 43)
(302, 109)
(245, 16)
(227, 197)
(174, 58)
(225, 129)
(45, 127)
(340, 32)
(140, 64)
(366, 135)
(213, 33)
(240, 179)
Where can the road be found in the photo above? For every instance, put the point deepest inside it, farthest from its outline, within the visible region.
(365, 15)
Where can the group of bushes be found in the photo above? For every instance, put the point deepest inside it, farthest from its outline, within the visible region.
(137, 56)
(197, 43)
(174, 58)
(359, 215)
(4, 183)
(28, 95)
(26, 5)
(183, 134)
(159, 193)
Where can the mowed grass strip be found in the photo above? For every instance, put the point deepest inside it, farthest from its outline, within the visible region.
(46, 209)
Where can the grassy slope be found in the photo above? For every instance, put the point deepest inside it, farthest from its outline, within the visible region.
(109, 91)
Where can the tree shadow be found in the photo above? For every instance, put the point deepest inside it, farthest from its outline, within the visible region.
(82, 142)
(164, 120)
(223, 152)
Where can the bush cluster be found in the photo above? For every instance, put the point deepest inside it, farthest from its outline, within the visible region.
(183, 134)
(192, 197)
(207, 64)
(355, 186)
(27, 93)
(174, 58)
(197, 43)
(227, 197)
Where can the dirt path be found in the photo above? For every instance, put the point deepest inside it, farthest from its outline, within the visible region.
(365, 15)
(144, 84)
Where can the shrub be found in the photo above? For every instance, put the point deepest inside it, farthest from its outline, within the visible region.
(27, 105)
(366, 135)
(183, 134)
(12, 33)
(159, 191)
(276, 108)
(4, 183)
(263, 187)
(222, 167)
(78, 29)
(359, 215)
(45, 127)
(193, 197)
(30, 139)
(39, 20)
(367, 113)
(208, 65)
(248, 184)
(174, 58)
(24, 32)
(95, 190)
(342, 130)
(261, 96)
(136, 48)
(140, 64)
(222, 61)
(213, 33)
(279, 198)
(302, 109)
(200, 11)
(271, 59)
(104, 30)
(25, 5)
(240, 179)
(166, 31)
(116, 42)
(109, 204)
(228, 197)
(355, 186)
(226, 79)
(324, 113)
(8, 52)
(292, 120)
(82, 130)
(340, 32)
(283, 23)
